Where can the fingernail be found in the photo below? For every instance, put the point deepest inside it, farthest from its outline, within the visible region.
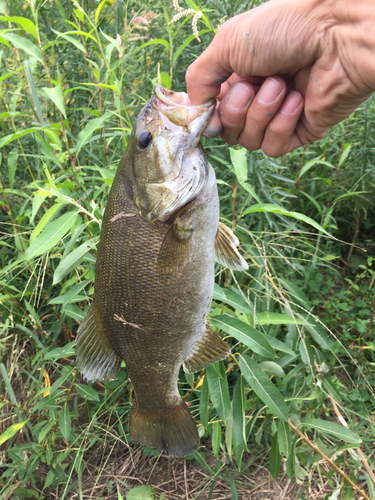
(269, 91)
(239, 96)
(291, 103)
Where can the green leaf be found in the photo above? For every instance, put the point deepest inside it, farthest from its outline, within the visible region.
(56, 97)
(275, 458)
(239, 406)
(51, 235)
(141, 493)
(232, 299)
(271, 318)
(291, 463)
(333, 429)
(65, 421)
(85, 135)
(12, 137)
(73, 260)
(219, 392)
(12, 165)
(61, 352)
(239, 161)
(284, 438)
(311, 163)
(216, 438)
(76, 43)
(276, 209)
(72, 296)
(279, 346)
(244, 333)
(272, 368)
(98, 9)
(24, 44)
(263, 387)
(87, 392)
(160, 41)
(345, 154)
(204, 411)
(45, 431)
(26, 24)
(43, 221)
(185, 44)
(11, 431)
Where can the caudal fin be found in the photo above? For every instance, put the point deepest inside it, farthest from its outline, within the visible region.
(171, 430)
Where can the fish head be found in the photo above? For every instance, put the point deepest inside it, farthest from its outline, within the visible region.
(169, 168)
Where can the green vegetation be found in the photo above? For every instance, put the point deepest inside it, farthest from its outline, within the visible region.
(300, 323)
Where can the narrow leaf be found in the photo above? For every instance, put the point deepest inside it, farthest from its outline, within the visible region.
(56, 97)
(87, 392)
(85, 135)
(26, 24)
(219, 392)
(11, 431)
(336, 430)
(216, 438)
(24, 44)
(284, 438)
(239, 161)
(244, 333)
(275, 458)
(51, 235)
(73, 260)
(263, 387)
(239, 403)
(271, 208)
(12, 166)
(65, 421)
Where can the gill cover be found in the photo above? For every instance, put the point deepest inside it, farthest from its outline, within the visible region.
(169, 166)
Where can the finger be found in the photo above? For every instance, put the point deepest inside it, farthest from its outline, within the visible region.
(214, 127)
(261, 112)
(233, 109)
(280, 136)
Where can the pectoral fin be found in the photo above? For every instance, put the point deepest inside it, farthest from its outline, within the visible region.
(175, 249)
(95, 356)
(226, 252)
(210, 349)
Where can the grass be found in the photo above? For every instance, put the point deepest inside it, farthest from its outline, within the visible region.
(300, 322)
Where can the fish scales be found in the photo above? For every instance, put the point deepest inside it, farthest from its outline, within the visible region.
(155, 271)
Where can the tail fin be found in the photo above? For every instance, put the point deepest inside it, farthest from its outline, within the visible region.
(95, 356)
(171, 429)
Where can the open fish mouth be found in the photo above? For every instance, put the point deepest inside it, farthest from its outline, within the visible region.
(181, 125)
(176, 106)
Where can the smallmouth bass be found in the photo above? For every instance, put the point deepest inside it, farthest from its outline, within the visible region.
(155, 271)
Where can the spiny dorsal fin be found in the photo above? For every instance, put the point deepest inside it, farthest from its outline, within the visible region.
(96, 358)
(175, 249)
(210, 349)
(226, 252)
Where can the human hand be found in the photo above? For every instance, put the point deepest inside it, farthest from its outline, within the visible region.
(285, 72)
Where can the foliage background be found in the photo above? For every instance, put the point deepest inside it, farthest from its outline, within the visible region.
(300, 322)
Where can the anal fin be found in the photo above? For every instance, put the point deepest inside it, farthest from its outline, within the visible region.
(210, 349)
(96, 358)
(226, 252)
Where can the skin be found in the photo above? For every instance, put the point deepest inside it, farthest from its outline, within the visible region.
(293, 70)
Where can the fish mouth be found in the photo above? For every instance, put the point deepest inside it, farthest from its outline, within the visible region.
(190, 173)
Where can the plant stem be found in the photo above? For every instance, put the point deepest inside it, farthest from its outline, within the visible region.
(327, 459)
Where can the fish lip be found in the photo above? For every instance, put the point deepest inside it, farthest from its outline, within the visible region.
(161, 92)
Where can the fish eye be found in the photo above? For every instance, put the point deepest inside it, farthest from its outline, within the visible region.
(144, 139)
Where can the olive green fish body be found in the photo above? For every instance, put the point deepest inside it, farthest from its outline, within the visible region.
(153, 315)
(155, 271)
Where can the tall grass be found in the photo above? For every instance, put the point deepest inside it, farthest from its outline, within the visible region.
(298, 386)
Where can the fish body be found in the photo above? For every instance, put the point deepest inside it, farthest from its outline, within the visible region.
(155, 271)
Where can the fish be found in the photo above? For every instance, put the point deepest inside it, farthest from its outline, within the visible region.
(154, 274)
